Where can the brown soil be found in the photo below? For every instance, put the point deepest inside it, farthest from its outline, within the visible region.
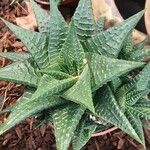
(24, 136)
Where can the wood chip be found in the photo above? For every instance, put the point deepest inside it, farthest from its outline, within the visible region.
(120, 144)
(18, 132)
(43, 129)
(18, 44)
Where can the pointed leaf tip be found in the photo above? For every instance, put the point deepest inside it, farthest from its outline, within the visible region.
(81, 92)
(42, 17)
(35, 42)
(105, 69)
(108, 109)
(110, 42)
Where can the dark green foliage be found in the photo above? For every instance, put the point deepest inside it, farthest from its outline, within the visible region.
(72, 83)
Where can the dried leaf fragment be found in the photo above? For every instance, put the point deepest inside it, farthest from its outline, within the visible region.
(27, 22)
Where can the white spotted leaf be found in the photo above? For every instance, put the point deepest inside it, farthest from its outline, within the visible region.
(84, 20)
(35, 42)
(49, 86)
(42, 17)
(65, 122)
(58, 29)
(105, 69)
(110, 42)
(20, 72)
(26, 107)
(81, 93)
(82, 134)
(72, 52)
(15, 56)
(137, 125)
(108, 109)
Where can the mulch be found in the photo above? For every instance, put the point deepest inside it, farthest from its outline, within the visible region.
(24, 136)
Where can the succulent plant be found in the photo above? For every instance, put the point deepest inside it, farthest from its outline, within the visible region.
(79, 76)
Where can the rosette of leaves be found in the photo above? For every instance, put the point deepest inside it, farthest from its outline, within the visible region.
(78, 70)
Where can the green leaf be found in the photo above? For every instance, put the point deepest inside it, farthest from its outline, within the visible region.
(100, 25)
(133, 96)
(137, 125)
(143, 102)
(142, 80)
(135, 89)
(82, 134)
(58, 29)
(141, 110)
(122, 97)
(72, 53)
(15, 56)
(140, 55)
(105, 69)
(54, 65)
(126, 96)
(23, 99)
(56, 74)
(20, 72)
(65, 76)
(65, 121)
(49, 86)
(81, 92)
(108, 109)
(26, 107)
(127, 47)
(34, 41)
(42, 17)
(115, 84)
(84, 20)
(110, 42)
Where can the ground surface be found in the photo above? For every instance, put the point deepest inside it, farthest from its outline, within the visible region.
(24, 136)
